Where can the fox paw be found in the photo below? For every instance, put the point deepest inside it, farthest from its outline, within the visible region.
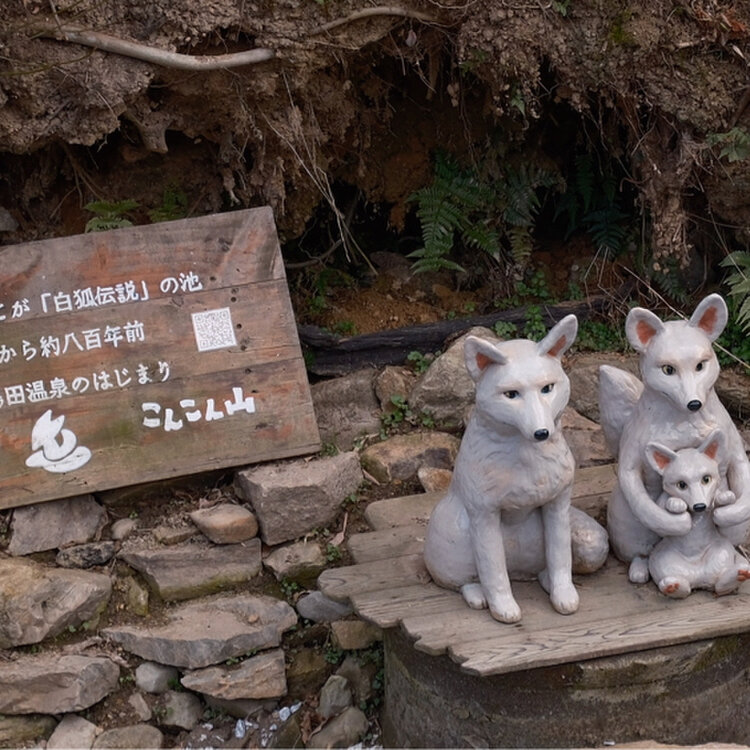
(505, 610)
(743, 574)
(674, 588)
(474, 596)
(565, 599)
(638, 571)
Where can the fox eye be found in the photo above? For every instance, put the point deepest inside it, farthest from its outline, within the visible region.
(511, 394)
(548, 388)
(700, 365)
(682, 484)
(667, 369)
(706, 479)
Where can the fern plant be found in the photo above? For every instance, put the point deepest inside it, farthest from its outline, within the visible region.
(487, 216)
(739, 285)
(109, 215)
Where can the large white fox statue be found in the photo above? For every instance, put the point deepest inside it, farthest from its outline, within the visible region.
(675, 405)
(507, 511)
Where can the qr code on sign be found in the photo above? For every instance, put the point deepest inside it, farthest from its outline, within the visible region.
(213, 329)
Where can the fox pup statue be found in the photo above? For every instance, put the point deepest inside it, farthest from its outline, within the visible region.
(676, 404)
(507, 511)
(702, 558)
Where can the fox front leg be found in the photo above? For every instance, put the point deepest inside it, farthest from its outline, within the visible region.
(557, 578)
(489, 554)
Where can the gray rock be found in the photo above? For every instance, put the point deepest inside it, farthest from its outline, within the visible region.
(202, 633)
(155, 678)
(299, 561)
(171, 535)
(583, 374)
(8, 222)
(123, 528)
(191, 570)
(136, 736)
(59, 523)
(54, 684)
(360, 676)
(306, 673)
(40, 602)
(16, 731)
(182, 710)
(353, 635)
(73, 731)
(733, 389)
(239, 709)
(585, 439)
(433, 479)
(346, 408)
(258, 677)
(394, 381)
(445, 390)
(288, 735)
(335, 696)
(137, 597)
(344, 730)
(140, 706)
(317, 607)
(400, 457)
(294, 497)
(86, 555)
(226, 523)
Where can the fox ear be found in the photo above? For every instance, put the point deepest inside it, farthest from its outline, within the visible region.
(641, 326)
(711, 316)
(479, 354)
(560, 337)
(659, 456)
(713, 445)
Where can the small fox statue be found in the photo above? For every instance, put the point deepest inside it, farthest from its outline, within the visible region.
(702, 558)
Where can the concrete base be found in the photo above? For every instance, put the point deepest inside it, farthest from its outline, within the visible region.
(687, 694)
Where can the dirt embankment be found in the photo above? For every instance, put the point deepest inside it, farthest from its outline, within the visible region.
(361, 95)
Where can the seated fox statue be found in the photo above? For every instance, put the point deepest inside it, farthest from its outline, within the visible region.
(702, 558)
(507, 512)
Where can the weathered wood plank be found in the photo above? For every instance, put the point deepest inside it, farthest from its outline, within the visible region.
(388, 607)
(387, 543)
(702, 618)
(148, 352)
(341, 584)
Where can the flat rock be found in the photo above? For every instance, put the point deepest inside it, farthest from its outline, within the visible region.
(317, 607)
(344, 730)
(394, 381)
(292, 498)
(353, 635)
(225, 523)
(585, 439)
(261, 676)
(16, 731)
(135, 736)
(40, 602)
(583, 374)
(54, 684)
(433, 479)
(140, 707)
(446, 389)
(360, 676)
(208, 632)
(306, 673)
(86, 555)
(401, 456)
(171, 535)
(192, 570)
(73, 731)
(733, 389)
(300, 561)
(59, 523)
(123, 528)
(155, 678)
(346, 408)
(137, 597)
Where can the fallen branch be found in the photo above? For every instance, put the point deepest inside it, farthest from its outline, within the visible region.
(179, 61)
(328, 354)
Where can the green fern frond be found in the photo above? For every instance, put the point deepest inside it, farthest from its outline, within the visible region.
(521, 244)
(738, 281)
(606, 228)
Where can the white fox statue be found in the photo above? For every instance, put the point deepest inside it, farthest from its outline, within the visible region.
(702, 558)
(507, 511)
(675, 404)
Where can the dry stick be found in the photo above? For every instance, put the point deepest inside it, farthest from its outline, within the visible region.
(179, 61)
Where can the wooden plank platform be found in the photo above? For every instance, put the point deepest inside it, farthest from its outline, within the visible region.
(390, 587)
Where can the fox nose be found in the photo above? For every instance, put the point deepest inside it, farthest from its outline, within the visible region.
(694, 405)
(699, 507)
(541, 435)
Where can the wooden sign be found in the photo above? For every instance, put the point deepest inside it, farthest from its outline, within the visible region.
(144, 353)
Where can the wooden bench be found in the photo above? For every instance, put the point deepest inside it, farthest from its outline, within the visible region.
(390, 587)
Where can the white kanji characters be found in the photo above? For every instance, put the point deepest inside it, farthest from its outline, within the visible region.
(7, 353)
(126, 292)
(105, 295)
(15, 395)
(36, 391)
(92, 338)
(83, 299)
(151, 422)
(240, 403)
(70, 339)
(113, 335)
(19, 307)
(55, 448)
(134, 331)
(63, 302)
(190, 282)
(49, 346)
(58, 388)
